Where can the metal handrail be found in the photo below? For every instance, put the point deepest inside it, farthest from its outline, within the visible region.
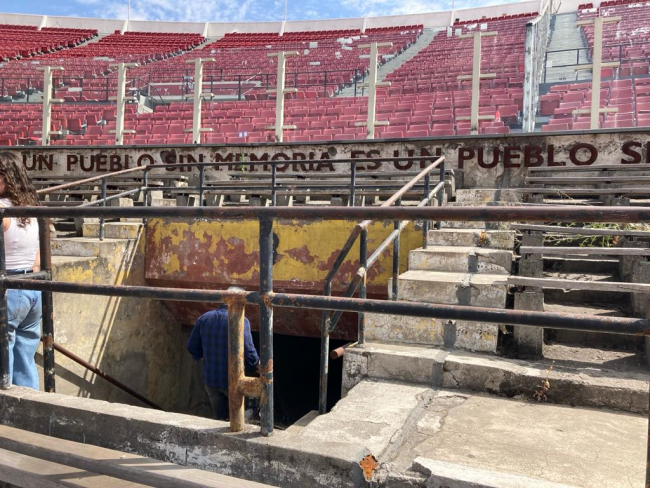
(266, 299)
(328, 323)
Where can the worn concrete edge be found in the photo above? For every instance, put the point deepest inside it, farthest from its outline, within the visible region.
(495, 375)
(281, 459)
(449, 475)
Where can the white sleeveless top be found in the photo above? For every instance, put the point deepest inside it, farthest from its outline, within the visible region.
(21, 243)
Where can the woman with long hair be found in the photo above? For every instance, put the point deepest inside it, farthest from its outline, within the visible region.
(22, 256)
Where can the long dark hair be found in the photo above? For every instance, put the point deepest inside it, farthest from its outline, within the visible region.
(19, 188)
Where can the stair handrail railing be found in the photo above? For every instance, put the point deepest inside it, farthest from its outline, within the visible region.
(328, 323)
(104, 198)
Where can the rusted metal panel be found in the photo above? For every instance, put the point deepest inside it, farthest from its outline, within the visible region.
(219, 254)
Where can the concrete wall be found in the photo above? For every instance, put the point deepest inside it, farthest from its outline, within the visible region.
(433, 19)
(136, 341)
(284, 459)
(219, 254)
(485, 161)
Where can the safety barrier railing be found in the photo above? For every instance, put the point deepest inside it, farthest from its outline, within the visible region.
(269, 167)
(266, 299)
(360, 231)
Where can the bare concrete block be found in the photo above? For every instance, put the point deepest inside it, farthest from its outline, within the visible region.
(531, 266)
(627, 264)
(163, 202)
(641, 274)
(449, 475)
(616, 201)
(214, 200)
(472, 238)
(337, 202)
(284, 201)
(355, 368)
(120, 202)
(529, 340)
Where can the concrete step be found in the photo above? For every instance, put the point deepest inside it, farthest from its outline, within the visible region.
(459, 334)
(592, 339)
(473, 289)
(597, 384)
(87, 247)
(531, 444)
(495, 239)
(480, 226)
(114, 230)
(66, 268)
(461, 259)
(486, 195)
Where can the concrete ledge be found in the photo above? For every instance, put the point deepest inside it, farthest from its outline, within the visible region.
(282, 459)
(494, 375)
(114, 230)
(449, 475)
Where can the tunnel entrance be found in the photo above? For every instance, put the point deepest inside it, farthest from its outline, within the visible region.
(296, 363)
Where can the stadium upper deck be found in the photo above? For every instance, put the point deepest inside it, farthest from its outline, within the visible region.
(425, 98)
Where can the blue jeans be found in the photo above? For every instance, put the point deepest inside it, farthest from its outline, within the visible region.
(24, 315)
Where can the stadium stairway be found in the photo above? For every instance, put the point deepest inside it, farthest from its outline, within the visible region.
(444, 407)
(565, 35)
(465, 265)
(396, 62)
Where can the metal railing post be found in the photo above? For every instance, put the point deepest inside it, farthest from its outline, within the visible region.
(145, 183)
(353, 182)
(5, 375)
(441, 192)
(236, 364)
(396, 246)
(239, 88)
(425, 224)
(102, 220)
(201, 184)
(274, 191)
(266, 326)
(363, 262)
(49, 377)
(324, 355)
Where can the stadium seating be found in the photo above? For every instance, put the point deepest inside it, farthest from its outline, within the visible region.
(425, 98)
(626, 88)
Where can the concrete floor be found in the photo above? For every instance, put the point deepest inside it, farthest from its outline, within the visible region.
(574, 446)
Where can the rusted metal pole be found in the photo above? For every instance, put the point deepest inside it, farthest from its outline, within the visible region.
(425, 223)
(363, 263)
(339, 352)
(324, 362)
(5, 375)
(102, 374)
(47, 303)
(236, 364)
(266, 326)
(647, 471)
(396, 246)
(353, 183)
(102, 220)
(441, 192)
(546, 213)
(73, 184)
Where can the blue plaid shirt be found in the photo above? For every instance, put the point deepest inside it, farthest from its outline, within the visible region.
(209, 340)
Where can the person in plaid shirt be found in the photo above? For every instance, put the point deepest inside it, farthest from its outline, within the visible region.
(209, 341)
